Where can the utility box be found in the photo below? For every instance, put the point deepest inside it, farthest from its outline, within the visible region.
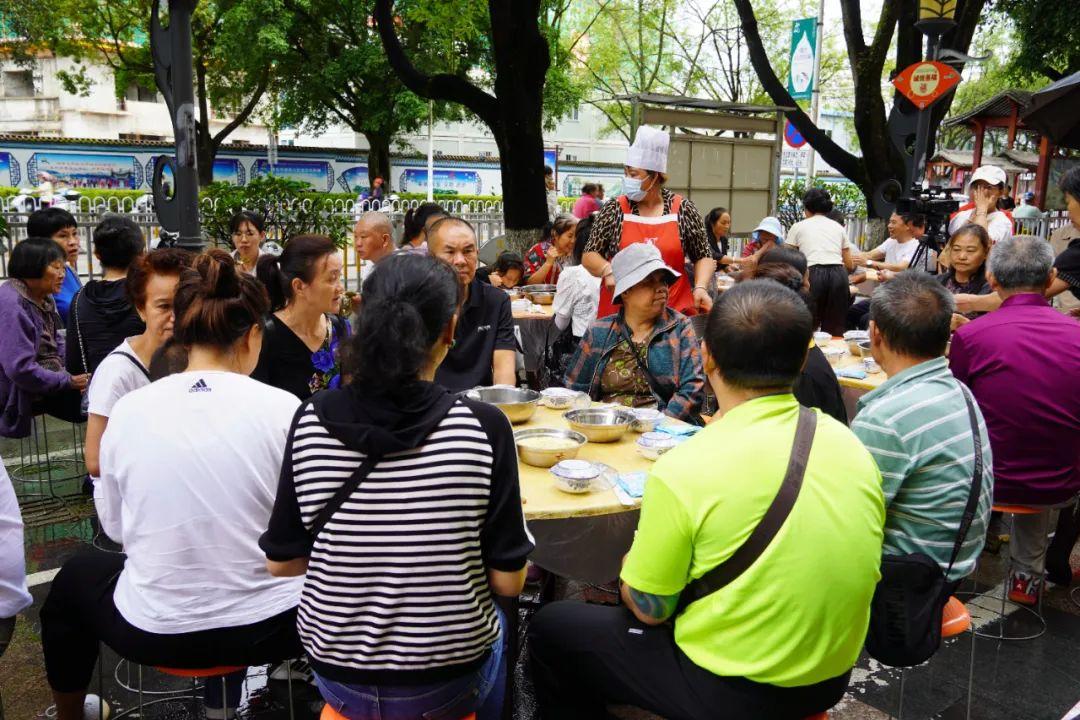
(722, 154)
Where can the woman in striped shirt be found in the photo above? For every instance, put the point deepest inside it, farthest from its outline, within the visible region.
(397, 613)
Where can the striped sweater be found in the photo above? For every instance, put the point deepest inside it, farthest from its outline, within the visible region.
(916, 426)
(396, 589)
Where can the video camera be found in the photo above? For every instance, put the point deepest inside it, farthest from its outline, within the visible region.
(936, 203)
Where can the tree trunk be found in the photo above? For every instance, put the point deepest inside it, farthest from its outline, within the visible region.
(379, 159)
(205, 150)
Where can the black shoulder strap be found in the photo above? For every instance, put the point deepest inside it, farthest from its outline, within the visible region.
(347, 488)
(134, 361)
(976, 482)
(770, 524)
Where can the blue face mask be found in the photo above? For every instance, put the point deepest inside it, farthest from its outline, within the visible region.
(632, 189)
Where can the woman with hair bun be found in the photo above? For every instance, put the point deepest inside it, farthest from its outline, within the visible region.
(303, 333)
(186, 491)
(417, 221)
(417, 490)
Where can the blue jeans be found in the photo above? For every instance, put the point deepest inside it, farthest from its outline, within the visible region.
(480, 691)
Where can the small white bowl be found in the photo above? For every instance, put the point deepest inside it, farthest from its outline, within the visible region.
(645, 419)
(821, 339)
(652, 445)
(870, 365)
(834, 355)
(575, 476)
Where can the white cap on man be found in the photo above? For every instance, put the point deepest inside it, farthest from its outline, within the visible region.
(649, 150)
(990, 174)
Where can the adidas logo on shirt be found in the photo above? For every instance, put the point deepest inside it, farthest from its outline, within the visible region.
(199, 386)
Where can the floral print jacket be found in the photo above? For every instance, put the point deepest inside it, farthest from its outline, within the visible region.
(674, 357)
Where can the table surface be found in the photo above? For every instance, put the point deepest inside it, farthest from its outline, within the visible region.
(546, 313)
(872, 379)
(542, 500)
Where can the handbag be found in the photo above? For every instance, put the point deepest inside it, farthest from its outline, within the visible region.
(659, 392)
(905, 613)
(769, 525)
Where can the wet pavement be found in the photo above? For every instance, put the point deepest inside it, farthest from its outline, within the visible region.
(1036, 679)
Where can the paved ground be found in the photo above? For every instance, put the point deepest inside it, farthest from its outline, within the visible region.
(1033, 680)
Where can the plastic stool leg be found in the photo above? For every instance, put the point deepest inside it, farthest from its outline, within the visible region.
(288, 681)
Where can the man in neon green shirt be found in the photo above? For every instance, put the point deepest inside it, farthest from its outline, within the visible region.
(780, 640)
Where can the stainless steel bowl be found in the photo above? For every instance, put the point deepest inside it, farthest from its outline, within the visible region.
(546, 457)
(518, 405)
(540, 294)
(542, 298)
(600, 425)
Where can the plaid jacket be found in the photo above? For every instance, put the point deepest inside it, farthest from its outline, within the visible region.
(674, 357)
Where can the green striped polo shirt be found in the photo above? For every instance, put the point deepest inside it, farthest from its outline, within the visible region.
(916, 426)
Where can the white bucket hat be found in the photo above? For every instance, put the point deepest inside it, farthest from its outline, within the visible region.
(636, 262)
(649, 150)
(990, 174)
(771, 225)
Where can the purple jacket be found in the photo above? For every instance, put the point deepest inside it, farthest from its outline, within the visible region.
(21, 378)
(1022, 362)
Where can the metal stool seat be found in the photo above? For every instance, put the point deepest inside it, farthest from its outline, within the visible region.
(1035, 612)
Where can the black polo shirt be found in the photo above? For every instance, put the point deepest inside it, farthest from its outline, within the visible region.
(485, 325)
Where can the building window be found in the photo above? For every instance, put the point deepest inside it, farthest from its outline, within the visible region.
(138, 93)
(575, 114)
(142, 137)
(19, 83)
(570, 158)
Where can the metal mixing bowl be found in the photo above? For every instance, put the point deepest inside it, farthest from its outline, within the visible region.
(600, 425)
(518, 405)
(542, 457)
(540, 294)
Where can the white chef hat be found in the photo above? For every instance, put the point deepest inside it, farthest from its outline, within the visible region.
(649, 150)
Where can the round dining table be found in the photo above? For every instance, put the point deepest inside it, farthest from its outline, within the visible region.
(581, 536)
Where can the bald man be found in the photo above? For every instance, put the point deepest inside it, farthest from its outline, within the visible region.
(484, 343)
(373, 237)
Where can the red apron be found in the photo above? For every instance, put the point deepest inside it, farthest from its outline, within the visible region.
(663, 232)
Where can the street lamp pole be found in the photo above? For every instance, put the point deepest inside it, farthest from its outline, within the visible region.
(177, 207)
(935, 19)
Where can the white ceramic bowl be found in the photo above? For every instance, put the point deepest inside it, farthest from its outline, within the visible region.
(834, 355)
(558, 398)
(575, 476)
(652, 445)
(821, 339)
(645, 419)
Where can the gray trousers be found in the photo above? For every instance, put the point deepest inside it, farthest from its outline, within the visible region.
(1031, 537)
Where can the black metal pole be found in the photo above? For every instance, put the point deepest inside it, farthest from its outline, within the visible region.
(170, 47)
(922, 128)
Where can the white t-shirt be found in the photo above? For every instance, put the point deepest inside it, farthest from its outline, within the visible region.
(14, 597)
(190, 470)
(820, 239)
(1000, 227)
(897, 252)
(114, 378)
(577, 296)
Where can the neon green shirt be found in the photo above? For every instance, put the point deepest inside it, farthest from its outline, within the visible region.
(799, 614)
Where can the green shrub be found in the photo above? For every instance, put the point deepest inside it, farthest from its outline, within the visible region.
(289, 208)
(847, 197)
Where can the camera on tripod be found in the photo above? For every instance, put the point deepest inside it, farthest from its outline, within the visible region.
(936, 204)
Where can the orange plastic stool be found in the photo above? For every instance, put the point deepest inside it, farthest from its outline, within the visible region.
(819, 716)
(329, 713)
(201, 673)
(955, 618)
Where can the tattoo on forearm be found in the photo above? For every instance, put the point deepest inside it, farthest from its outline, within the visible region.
(655, 606)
